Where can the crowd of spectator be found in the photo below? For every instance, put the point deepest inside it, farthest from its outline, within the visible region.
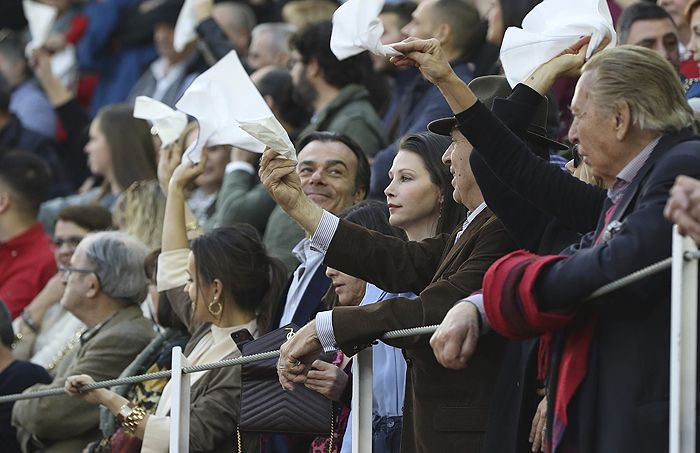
(426, 190)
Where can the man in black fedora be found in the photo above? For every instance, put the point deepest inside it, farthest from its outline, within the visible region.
(512, 425)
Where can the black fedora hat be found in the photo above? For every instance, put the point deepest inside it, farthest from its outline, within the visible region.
(487, 89)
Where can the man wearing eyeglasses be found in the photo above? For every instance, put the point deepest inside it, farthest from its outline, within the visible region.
(46, 331)
(26, 252)
(104, 285)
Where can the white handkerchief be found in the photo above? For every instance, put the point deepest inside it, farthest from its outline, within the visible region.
(185, 27)
(356, 28)
(40, 18)
(272, 134)
(167, 123)
(219, 98)
(549, 29)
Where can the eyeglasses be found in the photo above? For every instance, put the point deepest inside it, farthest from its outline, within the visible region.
(65, 271)
(577, 156)
(70, 241)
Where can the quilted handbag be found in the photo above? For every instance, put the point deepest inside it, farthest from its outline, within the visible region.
(265, 407)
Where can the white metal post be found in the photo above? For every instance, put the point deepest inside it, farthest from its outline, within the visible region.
(684, 313)
(180, 404)
(362, 402)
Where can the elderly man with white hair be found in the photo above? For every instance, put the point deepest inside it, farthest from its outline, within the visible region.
(105, 283)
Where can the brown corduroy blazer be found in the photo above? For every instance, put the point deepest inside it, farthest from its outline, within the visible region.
(444, 410)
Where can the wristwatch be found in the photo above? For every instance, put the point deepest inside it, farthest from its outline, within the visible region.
(125, 411)
(130, 416)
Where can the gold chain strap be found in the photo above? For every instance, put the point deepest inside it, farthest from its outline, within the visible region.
(330, 443)
(65, 349)
(238, 438)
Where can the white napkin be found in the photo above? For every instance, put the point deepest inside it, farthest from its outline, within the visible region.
(356, 28)
(185, 27)
(40, 18)
(549, 29)
(219, 99)
(272, 134)
(167, 123)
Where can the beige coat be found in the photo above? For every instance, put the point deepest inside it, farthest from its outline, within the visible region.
(62, 424)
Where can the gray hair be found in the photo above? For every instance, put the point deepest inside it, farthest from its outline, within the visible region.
(118, 259)
(646, 82)
(281, 33)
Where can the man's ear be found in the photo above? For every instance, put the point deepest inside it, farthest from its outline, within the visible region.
(313, 69)
(95, 287)
(443, 33)
(269, 100)
(622, 117)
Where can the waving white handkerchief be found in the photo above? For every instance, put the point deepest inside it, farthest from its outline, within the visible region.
(219, 98)
(185, 27)
(356, 28)
(40, 18)
(550, 28)
(272, 134)
(167, 123)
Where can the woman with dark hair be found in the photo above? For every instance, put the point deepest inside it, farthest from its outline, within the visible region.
(120, 150)
(420, 192)
(223, 283)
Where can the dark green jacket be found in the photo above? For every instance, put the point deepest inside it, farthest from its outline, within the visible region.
(351, 114)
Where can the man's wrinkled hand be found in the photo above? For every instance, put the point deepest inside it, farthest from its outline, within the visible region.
(426, 55)
(297, 356)
(454, 342)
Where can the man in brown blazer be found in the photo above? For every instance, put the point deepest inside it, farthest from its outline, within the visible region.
(444, 409)
(105, 283)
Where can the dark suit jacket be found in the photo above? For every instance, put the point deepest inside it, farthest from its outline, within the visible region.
(622, 404)
(533, 229)
(443, 409)
(310, 304)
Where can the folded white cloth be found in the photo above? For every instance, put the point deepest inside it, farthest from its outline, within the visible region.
(219, 99)
(270, 132)
(550, 28)
(356, 28)
(185, 27)
(167, 123)
(40, 18)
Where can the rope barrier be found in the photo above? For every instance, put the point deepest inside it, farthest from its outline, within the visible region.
(603, 290)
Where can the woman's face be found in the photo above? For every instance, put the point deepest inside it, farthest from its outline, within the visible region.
(98, 152)
(200, 297)
(350, 290)
(412, 197)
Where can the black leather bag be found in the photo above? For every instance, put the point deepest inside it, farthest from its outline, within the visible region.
(265, 407)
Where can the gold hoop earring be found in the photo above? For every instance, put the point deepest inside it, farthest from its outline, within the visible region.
(213, 303)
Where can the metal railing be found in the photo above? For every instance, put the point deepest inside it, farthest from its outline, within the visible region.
(683, 367)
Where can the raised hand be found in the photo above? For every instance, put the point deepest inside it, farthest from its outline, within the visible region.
(187, 171)
(279, 175)
(426, 55)
(455, 340)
